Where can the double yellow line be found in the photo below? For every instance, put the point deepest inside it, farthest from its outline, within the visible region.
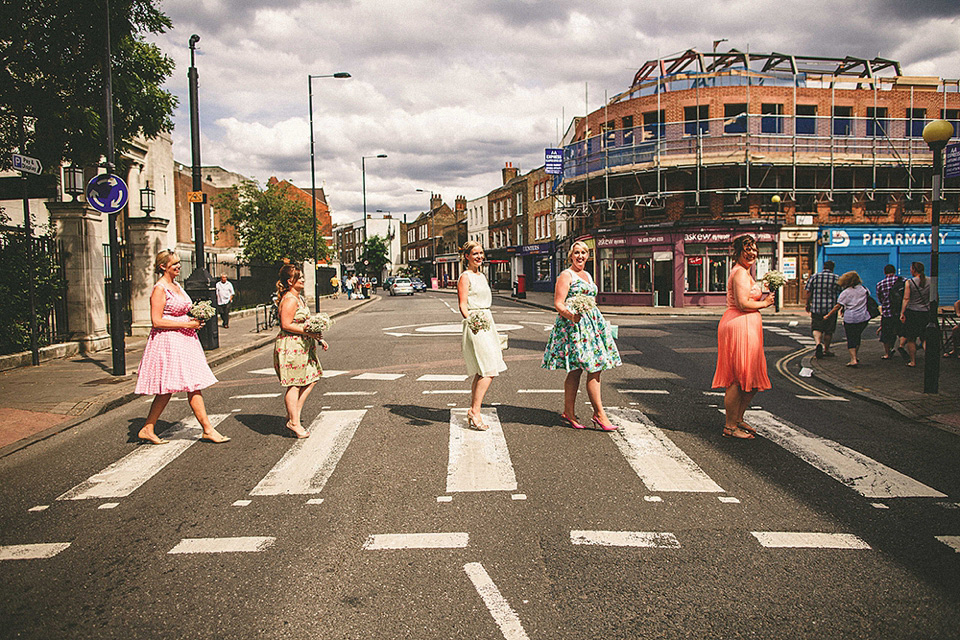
(786, 360)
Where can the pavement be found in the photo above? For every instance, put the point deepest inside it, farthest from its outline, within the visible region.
(37, 402)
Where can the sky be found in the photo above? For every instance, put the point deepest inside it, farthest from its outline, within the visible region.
(451, 90)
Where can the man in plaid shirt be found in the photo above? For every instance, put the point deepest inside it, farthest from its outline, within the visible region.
(889, 317)
(822, 292)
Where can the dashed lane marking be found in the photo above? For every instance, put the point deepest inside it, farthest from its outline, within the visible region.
(808, 540)
(249, 544)
(395, 541)
(647, 539)
(32, 551)
(506, 618)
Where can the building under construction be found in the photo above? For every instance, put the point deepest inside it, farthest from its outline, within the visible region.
(818, 157)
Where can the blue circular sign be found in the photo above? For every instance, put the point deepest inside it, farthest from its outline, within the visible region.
(107, 193)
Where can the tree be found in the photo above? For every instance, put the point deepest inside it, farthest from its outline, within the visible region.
(270, 225)
(51, 72)
(374, 257)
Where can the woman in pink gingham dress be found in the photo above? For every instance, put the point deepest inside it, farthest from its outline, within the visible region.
(173, 359)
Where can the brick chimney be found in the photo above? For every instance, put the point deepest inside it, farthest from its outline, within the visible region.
(510, 172)
(436, 201)
(460, 204)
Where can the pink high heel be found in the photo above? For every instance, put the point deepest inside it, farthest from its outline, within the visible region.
(571, 422)
(604, 427)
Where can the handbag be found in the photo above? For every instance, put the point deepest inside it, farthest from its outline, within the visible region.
(504, 341)
(872, 307)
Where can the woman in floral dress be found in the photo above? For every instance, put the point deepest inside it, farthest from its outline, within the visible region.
(295, 353)
(173, 359)
(580, 341)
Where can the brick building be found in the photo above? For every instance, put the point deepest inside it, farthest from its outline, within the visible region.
(430, 244)
(664, 175)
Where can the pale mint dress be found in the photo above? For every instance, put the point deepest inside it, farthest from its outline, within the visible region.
(481, 350)
(587, 344)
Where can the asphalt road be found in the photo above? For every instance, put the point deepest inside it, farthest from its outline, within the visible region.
(392, 521)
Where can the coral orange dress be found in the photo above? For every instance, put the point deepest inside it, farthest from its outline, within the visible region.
(740, 355)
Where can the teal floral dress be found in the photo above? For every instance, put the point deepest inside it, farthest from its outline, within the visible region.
(587, 344)
(295, 356)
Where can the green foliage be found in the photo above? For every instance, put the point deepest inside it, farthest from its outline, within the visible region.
(271, 225)
(14, 291)
(51, 59)
(374, 256)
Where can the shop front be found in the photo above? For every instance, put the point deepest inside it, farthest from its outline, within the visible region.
(538, 266)
(448, 270)
(498, 268)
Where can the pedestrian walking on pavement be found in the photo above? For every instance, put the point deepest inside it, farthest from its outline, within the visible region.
(225, 294)
(173, 359)
(481, 344)
(335, 286)
(915, 311)
(890, 297)
(822, 292)
(741, 363)
(580, 339)
(852, 303)
(295, 352)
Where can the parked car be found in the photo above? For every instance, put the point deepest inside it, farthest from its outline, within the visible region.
(418, 284)
(401, 286)
(387, 282)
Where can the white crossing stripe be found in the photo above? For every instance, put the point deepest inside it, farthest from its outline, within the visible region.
(657, 392)
(654, 539)
(332, 373)
(808, 540)
(251, 544)
(864, 475)
(661, 464)
(951, 541)
(32, 551)
(308, 464)
(478, 460)
(506, 618)
(437, 377)
(539, 390)
(350, 393)
(255, 396)
(128, 473)
(390, 541)
(262, 372)
(833, 398)
(378, 376)
(441, 392)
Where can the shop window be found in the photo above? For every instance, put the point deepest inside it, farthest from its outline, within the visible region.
(717, 272)
(735, 118)
(843, 121)
(771, 120)
(696, 119)
(695, 273)
(622, 267)
(916, 118)
(877, 125)
(642, 274)
(543, 269)
(806, 120)
(606, 270)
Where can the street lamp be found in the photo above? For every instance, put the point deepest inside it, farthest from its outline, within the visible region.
(148, 200)
(73, 181)
(363, 172)
(313, 180)
(935, 134)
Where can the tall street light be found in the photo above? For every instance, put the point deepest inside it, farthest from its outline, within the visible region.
(363, 172)
(935, 134)
(313, 181)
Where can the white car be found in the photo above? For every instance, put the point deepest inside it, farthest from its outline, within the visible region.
(401, 286)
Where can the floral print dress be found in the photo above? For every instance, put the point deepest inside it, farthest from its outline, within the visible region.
(587, 344)
(295, 356)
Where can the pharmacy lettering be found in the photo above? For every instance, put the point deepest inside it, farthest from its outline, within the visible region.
(902, 239)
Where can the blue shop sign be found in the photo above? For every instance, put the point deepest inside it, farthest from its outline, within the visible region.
(533, 249)
(867, 249)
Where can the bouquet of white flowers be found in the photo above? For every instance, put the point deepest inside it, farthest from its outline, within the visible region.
(774, 279)
(581, 303)
(318, 323)
(477, 322)
(202, 310)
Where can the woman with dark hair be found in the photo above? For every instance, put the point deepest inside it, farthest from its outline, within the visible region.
(173, 359)
(852, 303)
(915, 310)
(741, 363)
(295, 352)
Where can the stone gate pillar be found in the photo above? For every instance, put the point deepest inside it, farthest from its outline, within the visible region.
(148, 236)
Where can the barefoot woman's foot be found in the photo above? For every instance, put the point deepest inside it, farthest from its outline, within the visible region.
(150, 437)
(736, 432)
(298, 429)
(214, 437)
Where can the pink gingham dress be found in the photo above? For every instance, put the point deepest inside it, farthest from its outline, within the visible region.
(173, 359)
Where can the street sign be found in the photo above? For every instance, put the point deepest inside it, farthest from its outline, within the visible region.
(107, 193)
(196, 196)
(26, 164)
(553, 159)
(951, 161)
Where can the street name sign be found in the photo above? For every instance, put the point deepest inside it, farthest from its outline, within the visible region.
(26, 164)
(107, 193)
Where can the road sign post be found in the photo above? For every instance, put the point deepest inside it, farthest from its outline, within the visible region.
(26, 164)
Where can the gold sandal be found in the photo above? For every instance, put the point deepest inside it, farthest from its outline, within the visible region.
(476, 423)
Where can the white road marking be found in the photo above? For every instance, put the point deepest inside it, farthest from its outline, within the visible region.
(518, 496)
(109, 505)
(332, 373)
(661, 464)
(657, 392)
(506, 618)
(478, 460)
(443, 392)
(878, 505)
(39, 507)
(951, 541)
(315, 501)
(794, 323)
(444, 498)
(539, 390)
(250, 544)
(653, 498)
(833, 398)
(309, 462)
(350, 393)
(262, 372)
(31, 551)
(255, 396)
(391, 541)
(864, 475)
(437, 377)
(714, 393)
(378, 376)
(728, 499)
(128, 473)
(242, 503)
(808, 540)
(651, 539)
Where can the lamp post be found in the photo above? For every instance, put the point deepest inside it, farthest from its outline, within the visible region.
(935, 134)
(313, 181)
(363, 172)
(775, 199)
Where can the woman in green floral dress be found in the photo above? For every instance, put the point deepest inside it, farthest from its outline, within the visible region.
(295, 353)
(580, 341)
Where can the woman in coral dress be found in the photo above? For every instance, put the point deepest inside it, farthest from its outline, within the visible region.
(580, 341)
(481, 350)
(295, 352)
(173, 359)
(741, 364)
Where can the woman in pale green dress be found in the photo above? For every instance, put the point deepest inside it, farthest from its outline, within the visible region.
(481, 350)
(295, 353)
